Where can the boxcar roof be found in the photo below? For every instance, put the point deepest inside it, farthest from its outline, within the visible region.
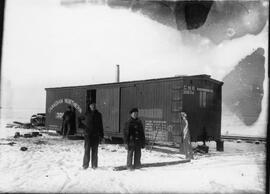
(203, 76)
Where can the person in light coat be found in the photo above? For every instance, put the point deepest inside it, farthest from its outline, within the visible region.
(186, 143)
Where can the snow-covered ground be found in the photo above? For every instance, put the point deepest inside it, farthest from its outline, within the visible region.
(52, 164)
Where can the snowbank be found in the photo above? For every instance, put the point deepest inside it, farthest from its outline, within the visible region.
(52, 164)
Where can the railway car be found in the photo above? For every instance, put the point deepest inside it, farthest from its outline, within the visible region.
(159, 102)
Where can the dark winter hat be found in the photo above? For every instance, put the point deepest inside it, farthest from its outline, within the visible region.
(133, 110)
(92, 102)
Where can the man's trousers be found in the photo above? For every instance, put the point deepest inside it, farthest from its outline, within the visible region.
(90, 145)
(136, 152)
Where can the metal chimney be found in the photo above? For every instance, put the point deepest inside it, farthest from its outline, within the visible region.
(117, 73)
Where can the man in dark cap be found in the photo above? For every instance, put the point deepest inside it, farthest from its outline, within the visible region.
(134, 139)
(93, 135)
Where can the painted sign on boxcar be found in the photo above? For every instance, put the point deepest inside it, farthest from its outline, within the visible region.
(189, 89)
(67, 101)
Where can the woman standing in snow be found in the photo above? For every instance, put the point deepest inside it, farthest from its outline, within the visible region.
(187, 148)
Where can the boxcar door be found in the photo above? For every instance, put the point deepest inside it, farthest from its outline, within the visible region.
(107, 100)
(128, 101)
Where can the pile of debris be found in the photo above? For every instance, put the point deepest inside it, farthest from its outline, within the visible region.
(27, 135)
(36, 120)
(17, 124)
(202, 149)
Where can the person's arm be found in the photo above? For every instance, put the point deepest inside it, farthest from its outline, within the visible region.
(101, 133)
(64, 115)
(185, 128)
(126, 129)
(143, 135)
(80, 123)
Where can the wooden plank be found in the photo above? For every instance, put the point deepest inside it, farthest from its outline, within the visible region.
(157, 164)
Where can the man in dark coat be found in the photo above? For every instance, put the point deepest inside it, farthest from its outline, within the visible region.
(134, 139)
(93, 134)
(67, 121)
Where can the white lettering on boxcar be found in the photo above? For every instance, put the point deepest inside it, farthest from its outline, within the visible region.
(59, 115)
(151, 125)
(67, 101)
(205, 90)
(189, 89)
(74, 104)
(56, 103)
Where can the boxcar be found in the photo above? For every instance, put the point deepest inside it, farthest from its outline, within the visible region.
(159, 102)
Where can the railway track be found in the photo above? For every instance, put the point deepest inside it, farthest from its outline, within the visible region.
(243, 138)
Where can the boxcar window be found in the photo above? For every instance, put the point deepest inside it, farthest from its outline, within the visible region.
(202, 99)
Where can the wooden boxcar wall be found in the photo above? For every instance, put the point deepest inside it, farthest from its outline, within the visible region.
(159, 104)
(108, 101)
(202, 103)
(57, 101)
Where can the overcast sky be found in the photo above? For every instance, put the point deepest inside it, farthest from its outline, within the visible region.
(48, 45)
